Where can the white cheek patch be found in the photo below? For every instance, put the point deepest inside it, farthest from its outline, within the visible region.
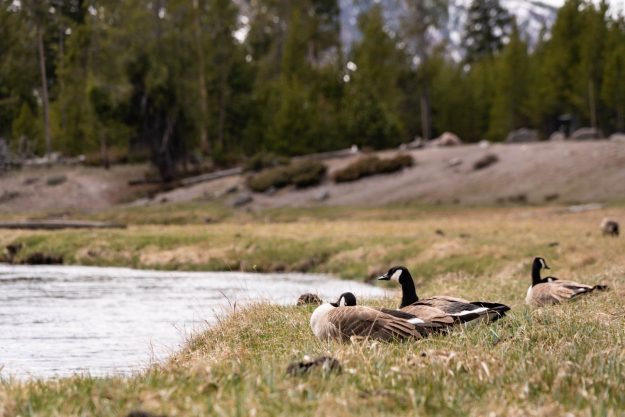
(416, 321)
(542, 263)
(396, 275)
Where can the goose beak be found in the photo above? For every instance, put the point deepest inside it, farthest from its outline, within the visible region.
(547, 266)
(384, 277)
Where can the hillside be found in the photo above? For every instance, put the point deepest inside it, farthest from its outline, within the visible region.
(564, 172)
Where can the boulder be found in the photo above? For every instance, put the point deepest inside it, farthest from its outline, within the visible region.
(617, 137)
(242, 199)
(522, 135)
(557, 137)
(587, 133)
(446, 139)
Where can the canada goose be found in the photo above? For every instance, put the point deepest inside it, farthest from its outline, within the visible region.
(551, 290)
(422, 313)
(344, 319)
(410, 302)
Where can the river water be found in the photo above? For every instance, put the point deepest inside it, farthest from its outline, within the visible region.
(60, 320)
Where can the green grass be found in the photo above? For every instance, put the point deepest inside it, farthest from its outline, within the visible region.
(538, 362)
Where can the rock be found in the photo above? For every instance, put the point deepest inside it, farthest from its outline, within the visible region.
(446, 139)
(440, 232)
(271, 191)
(309, 299)
(454, 162)
(557, 137)
(56, 180)
(8, 196)
(617, 137)
(417, 143)
(140, 413)
(327, 364)
(587, 133)
(30, 180)
(39, 258)
(609, 227)
(242, 199)
(483, 144)
(522, 135)
(322, 195)
(552, 197)
(485, 161)
(232, 190)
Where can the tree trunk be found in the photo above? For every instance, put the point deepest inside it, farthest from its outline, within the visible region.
(426, 111)
(204, 142)
(592, 104)
(44, 92)
(222, 111)
(104, 150)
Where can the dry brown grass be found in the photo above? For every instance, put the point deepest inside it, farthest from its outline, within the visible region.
(535, 362)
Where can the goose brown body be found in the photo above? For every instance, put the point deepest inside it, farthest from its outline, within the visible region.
(331, 321)
(551, 290)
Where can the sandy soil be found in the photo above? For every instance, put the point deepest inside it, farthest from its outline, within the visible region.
(562, 172)
(83, 189)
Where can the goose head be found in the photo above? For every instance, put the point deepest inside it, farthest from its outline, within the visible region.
(401, 275)
(537, 265)
(346, 299)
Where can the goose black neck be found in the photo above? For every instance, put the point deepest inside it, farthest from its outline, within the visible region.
(408, 290)
(536, 279)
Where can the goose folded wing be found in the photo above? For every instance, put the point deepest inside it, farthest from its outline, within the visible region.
(561, 290)
(368, 322)
(429, 314)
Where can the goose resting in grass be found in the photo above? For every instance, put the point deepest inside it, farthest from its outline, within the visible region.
(457, 307)
(551, 290)
(344, 319)
(426, 314)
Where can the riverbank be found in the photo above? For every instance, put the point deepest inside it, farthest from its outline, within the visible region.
(347, 242)
(543, 362)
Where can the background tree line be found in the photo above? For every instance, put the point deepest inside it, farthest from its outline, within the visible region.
(169, 80)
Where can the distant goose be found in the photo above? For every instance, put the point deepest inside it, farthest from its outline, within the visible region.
(551, 290)
(454, 306)
(344, 319)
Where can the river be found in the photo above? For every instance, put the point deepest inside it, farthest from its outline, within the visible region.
(60, 320)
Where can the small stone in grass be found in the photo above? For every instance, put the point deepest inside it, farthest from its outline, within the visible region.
(327, 364)
(309, 299)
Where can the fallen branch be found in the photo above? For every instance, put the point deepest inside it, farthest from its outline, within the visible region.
(60, 224)
(211, 176)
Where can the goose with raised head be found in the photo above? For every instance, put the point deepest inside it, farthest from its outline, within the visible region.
(343, 319)
(552, 290)
(457, 307)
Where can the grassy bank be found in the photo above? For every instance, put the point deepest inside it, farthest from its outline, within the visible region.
(350, 243)
(543, 362)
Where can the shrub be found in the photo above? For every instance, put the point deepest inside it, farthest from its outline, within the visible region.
(372, 165)
(307, 173)
(302, 174)
(264, 160)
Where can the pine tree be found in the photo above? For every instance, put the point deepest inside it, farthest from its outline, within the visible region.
(512, 83)
(373, 95)
(422, 17)
(613, 88)
(487, 29)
